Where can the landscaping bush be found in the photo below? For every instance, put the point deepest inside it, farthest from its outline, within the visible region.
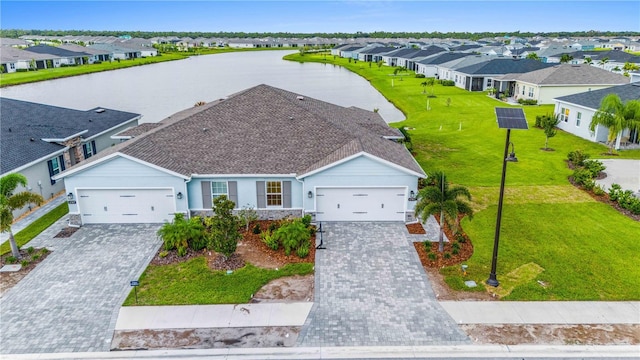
(223, 227)
(624, 198)
(432, 256)
(527, 101)
(269, 240)
(10, 259)
(448, 83)
(292, 235)
(420, 76)
(180, 234)
(427, 246)
(303, 250)
(247, 215)
(577, 157)
(256, 229)
(594, 167)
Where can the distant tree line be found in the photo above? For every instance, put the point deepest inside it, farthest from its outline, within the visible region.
(16, 33)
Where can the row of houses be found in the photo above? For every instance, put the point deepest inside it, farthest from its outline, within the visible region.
(15, 58)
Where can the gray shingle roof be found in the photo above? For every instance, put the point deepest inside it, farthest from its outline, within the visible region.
(22, 121)
(53, 50)
(567, 74)
(592, 99)
(265, 130)
(503, 66)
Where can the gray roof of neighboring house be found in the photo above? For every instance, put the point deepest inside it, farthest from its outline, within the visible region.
(22, 121)
(114, 47)
(612, 56)
(10, 54)
(568, 74)
(12, 42)
(442, 58)
(138, 130)
(378, 50)
(592, 99)
(402, 52)
(54, 50)
(80, 48)
(431, 50)
(503, 66)
(465, 47)
(264, 130)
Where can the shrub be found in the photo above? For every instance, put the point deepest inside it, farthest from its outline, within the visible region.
(614, 192)
(292, 235)
(35, 257)
(306, 220)
(11, 260)
(247, 215)
(538, 123)
(432, 256)
(427, 246)
(594, 167)
(223, 226)
(460, 237)
(269, 240)
(163, 254)
(447, 256)
(448, 83)
(598, 190)
(44, 251)
(178, 233)
(420, 76)
(30, 250)
(455, 251)
(24, 262)
(256, 229)
(528, 101)
(303, 250)
(455, 246)
(577, 157)
(273, 227)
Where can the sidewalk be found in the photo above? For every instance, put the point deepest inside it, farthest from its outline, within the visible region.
(35, 215)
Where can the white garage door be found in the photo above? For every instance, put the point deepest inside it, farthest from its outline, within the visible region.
(360, 204)
(98, 206)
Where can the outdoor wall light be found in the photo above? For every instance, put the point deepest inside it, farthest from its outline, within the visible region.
(179, 195)
(310, 194)
(70, 196)
(412, 194)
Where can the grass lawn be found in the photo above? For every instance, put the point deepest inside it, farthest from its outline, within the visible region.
(194, 283)
(587, 250)
(25, 235)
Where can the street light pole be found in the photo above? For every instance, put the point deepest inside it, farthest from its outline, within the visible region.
(494, 261)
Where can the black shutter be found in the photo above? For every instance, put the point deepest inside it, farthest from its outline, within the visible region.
(206, 195)
(262, 196)
(50, 165)
(84, 151)
(61, 160)
(93, 146)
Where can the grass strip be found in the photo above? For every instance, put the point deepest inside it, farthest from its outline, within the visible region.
(193, 283)
(35, 228)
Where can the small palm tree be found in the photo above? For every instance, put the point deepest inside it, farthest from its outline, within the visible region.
(565, 58)
(603, 61)
(449, 202)
(10, 202)
(616, 116)
(533, 56)
(588, 60)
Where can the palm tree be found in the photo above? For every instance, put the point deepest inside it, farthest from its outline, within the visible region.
(565, 58)
(533, 56)
(603, 61)
(616, 116)
(10, 202)
(588, 60)
(449, 202)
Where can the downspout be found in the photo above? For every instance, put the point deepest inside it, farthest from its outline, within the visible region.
(302, 195)
(186, 196)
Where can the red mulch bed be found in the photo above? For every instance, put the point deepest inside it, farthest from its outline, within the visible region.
(250, 249)
(415, 228)
(464, 253)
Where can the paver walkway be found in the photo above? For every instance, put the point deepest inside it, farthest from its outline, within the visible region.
(35, 215)
(371, 290)
(70, 301)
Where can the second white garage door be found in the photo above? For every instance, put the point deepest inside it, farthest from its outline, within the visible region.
(360, 204)
(99, 206)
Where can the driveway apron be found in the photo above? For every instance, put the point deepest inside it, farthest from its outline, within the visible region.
(69, 302)
(371, 290)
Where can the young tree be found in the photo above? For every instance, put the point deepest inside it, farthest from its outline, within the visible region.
(10, 202)
(438, 198)
(565, 58)
(533, 56)
(548, 124)
(616, 116)
(380, 63)
(224, 226)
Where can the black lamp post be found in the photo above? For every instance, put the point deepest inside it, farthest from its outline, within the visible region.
(508, 118)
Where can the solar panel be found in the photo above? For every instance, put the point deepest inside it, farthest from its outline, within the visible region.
(511, 118)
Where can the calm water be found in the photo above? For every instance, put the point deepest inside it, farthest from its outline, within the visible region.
(159, 90)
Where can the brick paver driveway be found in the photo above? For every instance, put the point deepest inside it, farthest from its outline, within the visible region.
(69, 301)
(372, 290)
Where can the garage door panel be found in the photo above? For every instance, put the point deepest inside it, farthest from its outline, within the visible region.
(360, 204)
(126, 205)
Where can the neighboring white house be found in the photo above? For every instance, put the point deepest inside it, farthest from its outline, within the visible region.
(577, 110)
(276, 151)
(545, 85)
(40, 141)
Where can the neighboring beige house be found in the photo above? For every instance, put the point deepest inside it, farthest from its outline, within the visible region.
(545, 85)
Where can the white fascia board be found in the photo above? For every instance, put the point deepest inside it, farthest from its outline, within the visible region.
(560, 102)
(116, 137)
(112, 128)
(111, 156)
(53, 140)
(365, 154)
(34, 162)
(203, 176)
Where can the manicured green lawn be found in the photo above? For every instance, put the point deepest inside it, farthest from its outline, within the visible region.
(193, 283)
(588, 250)
(36, 227)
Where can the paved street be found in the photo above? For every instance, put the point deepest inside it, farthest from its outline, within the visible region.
(372, 290)
(69, 303)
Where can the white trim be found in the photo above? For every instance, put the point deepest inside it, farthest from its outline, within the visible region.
(114, 127)
(257, 208)
(266, 195)
(43, 159)
(365, 154)
(205, 176)
(111, 156)
(54, 140)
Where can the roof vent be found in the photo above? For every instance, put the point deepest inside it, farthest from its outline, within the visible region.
(290, 117)
(100, 110)
(300, 97)
(32, 139)
(204, 129)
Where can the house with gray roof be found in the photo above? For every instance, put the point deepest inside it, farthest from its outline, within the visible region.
(118, 51)
(276, 151)
(40, 141)
(576, 112)
(14, 59)
(476, 74)
(62, 56)
(429, 65)
(546, 84)
(392, 58)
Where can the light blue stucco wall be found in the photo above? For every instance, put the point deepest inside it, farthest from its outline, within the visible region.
(360, 171)
(247, 195)
(120, 172)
